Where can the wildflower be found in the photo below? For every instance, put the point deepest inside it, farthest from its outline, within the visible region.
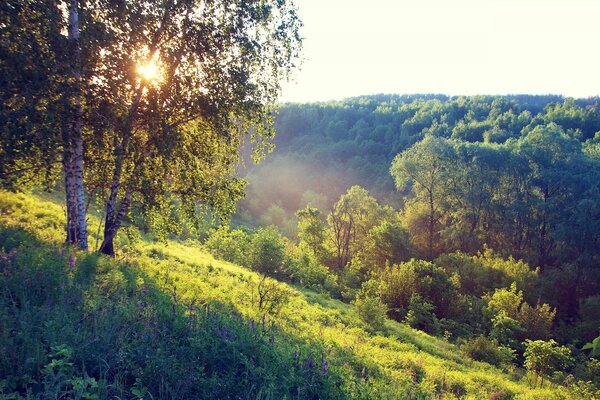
(224, 333)
(252, 327)
(231, 336)
(272, 340)
(71, 263)
(324, 364)
(309, 362)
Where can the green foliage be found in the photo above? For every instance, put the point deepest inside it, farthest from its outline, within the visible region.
(487, 271)
(388, 242)
(267, 251)
(416, 277)
(422, 167)
(350, 220)
(593, 371)
(232, 246)
(545, 357)
(589, 318)
(312, 232)
(371, 310)
(271, 296)
(593, 347)
(171, 322)
(506, 301)
(514, 319)
(507, 331)
(421, 315)
(488, 350)
(306, 270)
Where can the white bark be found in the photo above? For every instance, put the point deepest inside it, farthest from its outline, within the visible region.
(77, 124)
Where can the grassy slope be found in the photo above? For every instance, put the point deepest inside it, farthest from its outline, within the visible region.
(400, 363)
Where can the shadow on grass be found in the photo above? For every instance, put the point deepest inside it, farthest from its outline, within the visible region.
(76, 325)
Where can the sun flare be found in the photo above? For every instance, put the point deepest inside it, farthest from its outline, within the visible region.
(149, 71)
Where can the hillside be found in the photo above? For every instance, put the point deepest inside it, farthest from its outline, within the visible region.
(167, 320)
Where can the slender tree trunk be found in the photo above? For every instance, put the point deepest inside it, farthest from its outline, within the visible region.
(113, 220)
(431, 224)
(72, 138)
(111, 227)
(70, 192)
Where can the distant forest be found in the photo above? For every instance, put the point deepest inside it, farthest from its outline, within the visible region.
(322, 149)
(500, 194)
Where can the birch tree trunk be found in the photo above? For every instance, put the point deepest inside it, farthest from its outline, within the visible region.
(73, 140)
(70, 192)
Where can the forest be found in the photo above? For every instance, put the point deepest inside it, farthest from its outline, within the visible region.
(490, 236)
(476, 178)
(169, 230)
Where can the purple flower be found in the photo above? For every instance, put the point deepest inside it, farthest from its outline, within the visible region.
(309, 362)
(71, 262)
(324, 364)
(252, 327)
(231, 336)
(224, 333)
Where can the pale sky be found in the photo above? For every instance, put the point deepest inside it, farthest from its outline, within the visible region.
(360, 47)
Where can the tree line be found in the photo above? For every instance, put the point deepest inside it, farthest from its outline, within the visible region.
(325, 148)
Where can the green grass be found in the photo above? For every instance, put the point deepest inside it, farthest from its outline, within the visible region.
(143, 326)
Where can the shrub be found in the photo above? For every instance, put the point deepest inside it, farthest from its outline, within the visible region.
(507, 331)
(228, 245)
(271, 296)
(400, 282)
(267, 251)
(420, 315)
(371, 311)
(515, 319)
(487, 271)
(545, 357)
(306, 270)
(487, 350)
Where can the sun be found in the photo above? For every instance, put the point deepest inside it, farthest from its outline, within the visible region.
(149, 71)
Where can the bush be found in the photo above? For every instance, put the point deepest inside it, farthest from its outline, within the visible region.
(306, 270)
(487, 271)
(400, 282)
(371, 311)
(507, 331)
(228, 245)
(543, 358)
(420, 315)
(272, 296)
(267, 251)
(487, 350)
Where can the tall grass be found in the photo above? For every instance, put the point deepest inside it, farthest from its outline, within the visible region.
(167, 320)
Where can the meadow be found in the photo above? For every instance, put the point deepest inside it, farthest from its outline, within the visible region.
(167, 320)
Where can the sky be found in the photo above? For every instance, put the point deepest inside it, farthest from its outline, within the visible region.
(455, 47)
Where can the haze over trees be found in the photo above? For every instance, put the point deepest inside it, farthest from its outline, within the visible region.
(473, 219)
(482, 226)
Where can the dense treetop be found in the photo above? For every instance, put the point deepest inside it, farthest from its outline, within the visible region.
(328, 147)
